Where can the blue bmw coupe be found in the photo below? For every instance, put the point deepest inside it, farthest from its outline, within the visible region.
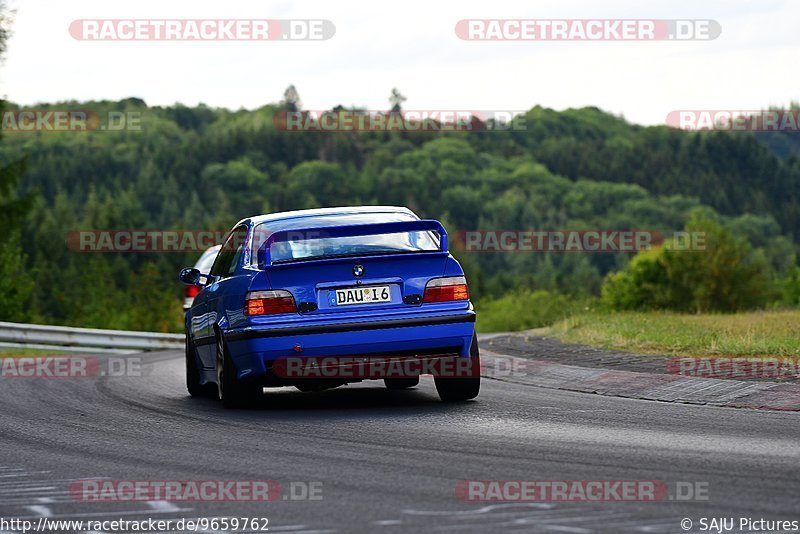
(325, 297)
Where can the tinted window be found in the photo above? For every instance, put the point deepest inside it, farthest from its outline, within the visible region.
(343, 246)
(229, 254)
(354, 246)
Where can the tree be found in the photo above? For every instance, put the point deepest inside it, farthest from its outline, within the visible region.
(726, 275)
(17, 281)
(6, 19)
(791, 288)
(291, 99)
(313, 184)
(248, 189)
(396, 100)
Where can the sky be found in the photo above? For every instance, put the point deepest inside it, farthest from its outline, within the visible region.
(412, 45)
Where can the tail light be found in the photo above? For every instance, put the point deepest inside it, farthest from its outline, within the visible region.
(269, 303)
(192, 291)
(446, 289)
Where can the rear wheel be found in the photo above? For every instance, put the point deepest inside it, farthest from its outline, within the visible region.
(193, 372)
(231, 392)
(457, 389)
(401, 383)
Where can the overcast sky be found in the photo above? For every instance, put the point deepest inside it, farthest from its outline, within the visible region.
(412, 45)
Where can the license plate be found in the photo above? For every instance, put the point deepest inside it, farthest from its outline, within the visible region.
(362, 295)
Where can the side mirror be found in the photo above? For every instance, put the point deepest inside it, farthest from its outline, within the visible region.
(190, 276)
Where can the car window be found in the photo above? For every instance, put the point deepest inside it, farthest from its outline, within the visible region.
(229, 254)
(345, 246)
(353, 246)
(207, 260)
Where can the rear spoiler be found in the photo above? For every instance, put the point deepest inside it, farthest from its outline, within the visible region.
(350, 230)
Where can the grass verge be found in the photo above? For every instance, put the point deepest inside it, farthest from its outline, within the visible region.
(753, 334)
(524, 310)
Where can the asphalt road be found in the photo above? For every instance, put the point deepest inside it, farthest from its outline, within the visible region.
(389, 461)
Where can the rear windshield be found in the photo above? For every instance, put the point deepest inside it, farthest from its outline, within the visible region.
(330, 247)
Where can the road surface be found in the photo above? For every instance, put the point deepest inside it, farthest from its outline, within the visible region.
(383, 461)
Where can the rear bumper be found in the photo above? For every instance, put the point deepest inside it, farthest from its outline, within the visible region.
(360, 326)
(254, 350)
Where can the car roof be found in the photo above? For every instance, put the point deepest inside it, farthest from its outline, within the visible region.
(323, 212)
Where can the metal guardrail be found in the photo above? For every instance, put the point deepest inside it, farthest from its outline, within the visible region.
(69, 339)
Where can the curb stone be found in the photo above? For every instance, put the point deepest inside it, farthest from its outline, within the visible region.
(645, 386)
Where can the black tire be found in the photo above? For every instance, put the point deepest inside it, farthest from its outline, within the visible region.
(462, 388)
(401, 383)
(192, 372)
(232, 393)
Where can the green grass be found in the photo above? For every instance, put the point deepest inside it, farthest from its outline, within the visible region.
(754, 334)
(524, 310)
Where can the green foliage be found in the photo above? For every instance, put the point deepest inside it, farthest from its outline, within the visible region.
(315, 184)
(152, 308)
(16, 281)
(202, 168)
(644, 284)
(248, 188)
(791, 288)
(726, 274)
(523, 310)
(16, 277)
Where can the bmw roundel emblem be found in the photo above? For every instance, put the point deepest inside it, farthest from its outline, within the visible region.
(358, 270)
